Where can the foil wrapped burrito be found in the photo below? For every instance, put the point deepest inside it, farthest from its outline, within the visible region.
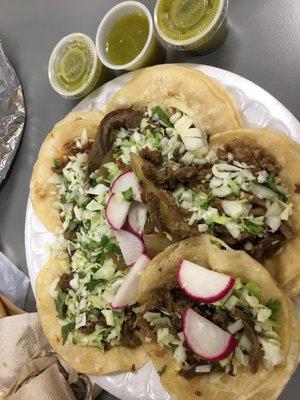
(12, 113)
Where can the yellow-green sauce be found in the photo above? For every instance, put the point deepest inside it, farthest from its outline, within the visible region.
(74, 65)
(185, 19)
(127, 38)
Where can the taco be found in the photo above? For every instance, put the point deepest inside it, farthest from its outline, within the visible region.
(58, 145)
(75, 313)
(210, 105)
(230, 335)
(251, 337)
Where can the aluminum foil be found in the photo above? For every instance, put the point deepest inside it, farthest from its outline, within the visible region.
(12, 113)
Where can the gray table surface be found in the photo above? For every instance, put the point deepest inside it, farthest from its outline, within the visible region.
(263, 45)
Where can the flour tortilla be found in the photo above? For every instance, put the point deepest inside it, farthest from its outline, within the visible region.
(43, 194)
(211, 105)
(285, 267)
(245, 386)
(88, 360)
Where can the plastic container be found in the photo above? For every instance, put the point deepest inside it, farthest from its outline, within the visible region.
(210, 36)
(74, 69)
(152, 53)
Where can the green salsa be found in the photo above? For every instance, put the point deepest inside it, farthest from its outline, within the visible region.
(127, 38)
(186, 19)
(73, 67)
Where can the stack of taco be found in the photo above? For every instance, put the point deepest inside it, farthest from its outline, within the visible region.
(175, 226)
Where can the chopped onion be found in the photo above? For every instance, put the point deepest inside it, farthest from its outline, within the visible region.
(235, 208)
(215, 182)
(203, 368)
(97, 190)
(221, 191)
(274, 210)
(273, 223)
(202, 227)
(262, 192)
(235, 327)
(234, 229)
(175, 117)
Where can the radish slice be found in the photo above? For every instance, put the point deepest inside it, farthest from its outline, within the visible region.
(126, 181)
(203, 285)
(137, 217)
(206, 339)
(127, 292)
(132, 247)
(116, 212)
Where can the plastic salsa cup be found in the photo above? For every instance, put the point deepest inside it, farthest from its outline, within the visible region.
(152, 52)
(74, 69)
(200, 26)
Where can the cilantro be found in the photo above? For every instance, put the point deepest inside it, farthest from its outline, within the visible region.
(96, 312)
(92, 284)
(254, 289)
(162, 370)
(163, 116)
(57, 166)
(205, 203)
(274, 306)
(111, 247)
(273, 322)
(128, 194)
(87, 224)
(73, 224)
(104, 241)
(66, 329)
(211, 229)
(61, 307)
(101, 259)
(216, 243)
(57, 163)
(272, 185)
(271, 181)
(93, 182)
(251, 227)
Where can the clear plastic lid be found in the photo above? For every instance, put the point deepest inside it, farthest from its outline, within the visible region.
(74, 67)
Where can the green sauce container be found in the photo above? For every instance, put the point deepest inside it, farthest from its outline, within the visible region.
(126, 39)
(196, 25)
(74, 69)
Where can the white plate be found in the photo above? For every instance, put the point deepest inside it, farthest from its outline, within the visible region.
(259, 109)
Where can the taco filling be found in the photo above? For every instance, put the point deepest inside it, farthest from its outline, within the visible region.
(233, 192)
(170, 318)
(179, 188)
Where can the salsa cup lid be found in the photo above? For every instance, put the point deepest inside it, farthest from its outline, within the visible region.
(199, 38)
(93, 65)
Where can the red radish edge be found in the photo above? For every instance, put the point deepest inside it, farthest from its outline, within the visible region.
(109, 220)
(231, 345)
(205, 300)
